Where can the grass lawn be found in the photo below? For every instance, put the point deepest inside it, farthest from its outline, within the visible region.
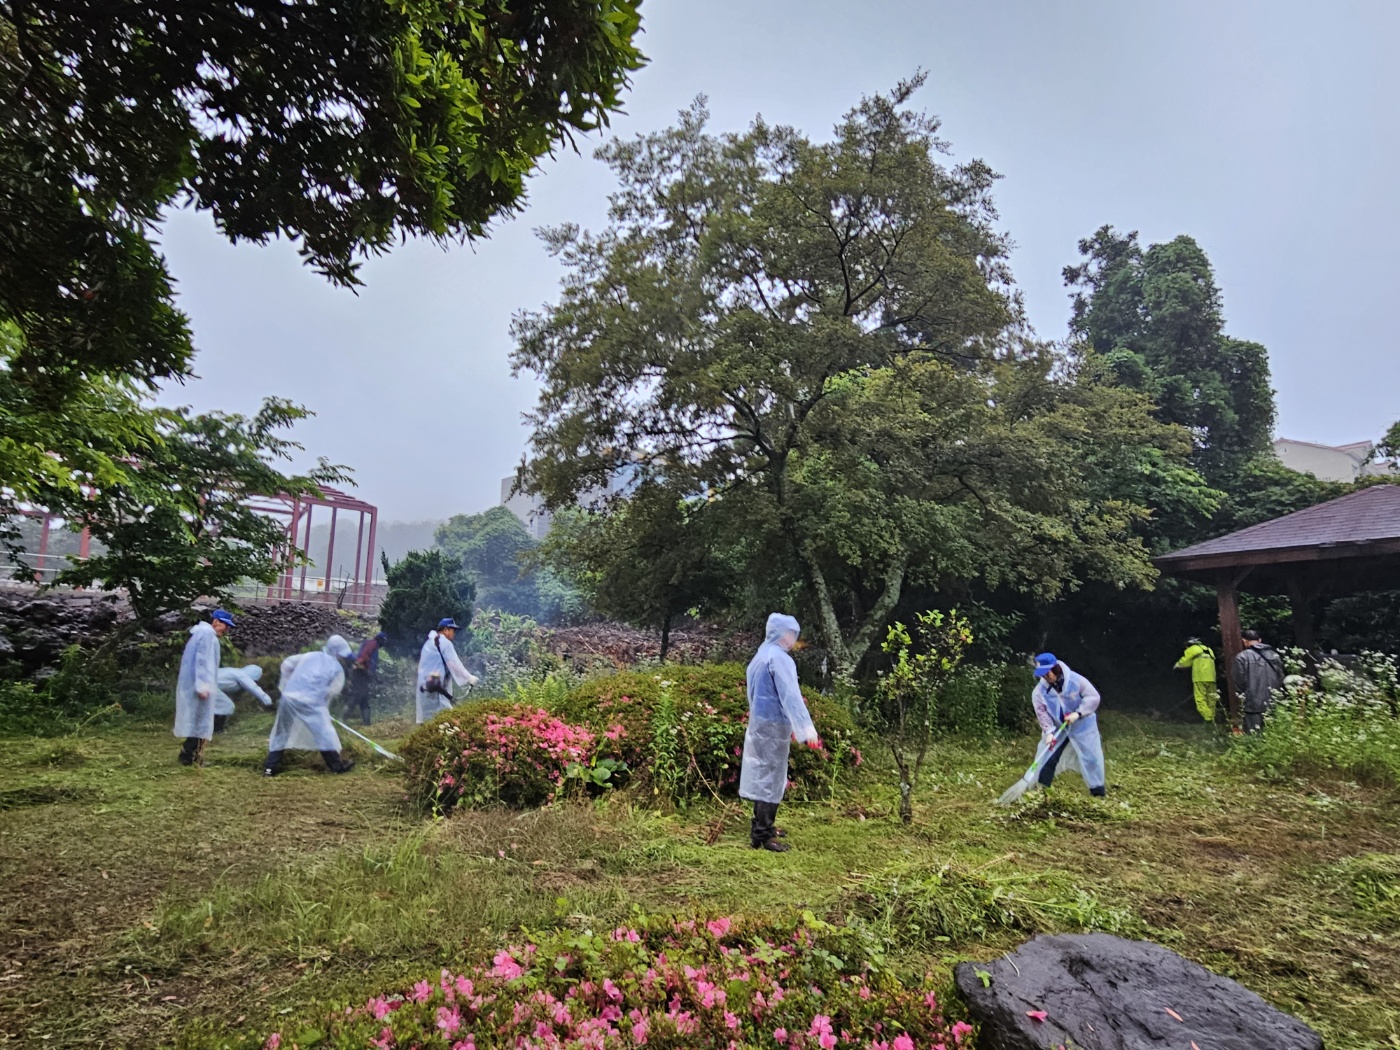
(149, 904)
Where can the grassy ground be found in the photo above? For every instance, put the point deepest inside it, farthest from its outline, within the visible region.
(148, 904)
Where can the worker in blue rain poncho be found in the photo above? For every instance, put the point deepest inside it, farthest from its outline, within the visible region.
(777, 714)
(197, 687)
(236, 680)
(308, 684)
(1064, 696)
(439, 668)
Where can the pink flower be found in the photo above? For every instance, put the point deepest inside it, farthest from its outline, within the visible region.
(611, 990)
(864, 992)
(1037, 1015)
(273, 1042)
(616, 732)
(960, 1029)
(422, 992)
(719, 927)
(464, 987)
(902, 1042)
(385, 1040)
(639, 1033)
(448, 1020)
(731, 1021)
(505, 966)
(377, 1008)
(931, 1001)
(780, 1034)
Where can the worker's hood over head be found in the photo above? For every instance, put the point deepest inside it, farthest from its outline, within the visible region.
(780, 624)
(337, 647)
(253, 671)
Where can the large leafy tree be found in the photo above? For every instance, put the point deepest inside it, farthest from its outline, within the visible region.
(177, 524)
(490, 546)
(822, 337)
(651, 558)
(1155, 316)
(344, 126)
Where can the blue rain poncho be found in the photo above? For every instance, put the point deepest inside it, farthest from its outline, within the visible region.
(777, 713)
(236, 679)
(309, 683)
(197, 687)
(1084, 752)
(438, 657)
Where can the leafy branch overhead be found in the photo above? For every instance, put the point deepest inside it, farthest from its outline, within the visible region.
(345, 127)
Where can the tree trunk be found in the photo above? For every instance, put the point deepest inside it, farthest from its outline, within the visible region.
(665, 637)
(906, 802)
(847, 655)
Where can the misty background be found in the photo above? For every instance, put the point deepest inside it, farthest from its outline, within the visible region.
(1266, 130)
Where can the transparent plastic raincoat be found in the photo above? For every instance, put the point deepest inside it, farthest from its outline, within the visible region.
(309, 683)
(234, 679)
(777, 713)
(1084, 752)
(199, 673)
(438, 657)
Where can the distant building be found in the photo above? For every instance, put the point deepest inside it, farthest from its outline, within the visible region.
(536, 517)
(1331, 462)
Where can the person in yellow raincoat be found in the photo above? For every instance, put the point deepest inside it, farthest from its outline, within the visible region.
(1201, 659)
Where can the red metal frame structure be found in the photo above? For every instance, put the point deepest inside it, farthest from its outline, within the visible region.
(358, 588)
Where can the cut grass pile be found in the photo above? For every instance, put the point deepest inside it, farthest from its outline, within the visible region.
(149, 904)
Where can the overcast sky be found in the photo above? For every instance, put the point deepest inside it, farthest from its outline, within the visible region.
(1269, 131)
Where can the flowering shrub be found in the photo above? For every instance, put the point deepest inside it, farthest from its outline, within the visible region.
(512, 753)
(688, 984)
(1344, 718)
(683, 731)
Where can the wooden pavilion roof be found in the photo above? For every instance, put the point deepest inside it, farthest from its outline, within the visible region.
(1352, 542)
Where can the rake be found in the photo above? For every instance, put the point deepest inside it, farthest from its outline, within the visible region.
(1027, 780)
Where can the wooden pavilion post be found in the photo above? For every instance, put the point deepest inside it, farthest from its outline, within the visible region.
(1227, 597)
(1298, 603)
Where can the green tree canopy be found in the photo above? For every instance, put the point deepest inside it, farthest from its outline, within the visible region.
(1155, 316)
(343, 126)
(490, 545)
(822, 338)
(424, 587)
(649, 559)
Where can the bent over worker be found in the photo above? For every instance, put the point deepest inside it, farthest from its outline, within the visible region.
(197, 686)
(438, 668)
(1200, 658)
(237, 680)
(777, 715)
(1063, 695)
(309, 683)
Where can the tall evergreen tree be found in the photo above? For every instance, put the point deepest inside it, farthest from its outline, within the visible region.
(1155, 316)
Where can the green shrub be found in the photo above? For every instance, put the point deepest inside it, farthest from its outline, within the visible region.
(968, 702)
(699, 734)
(681, 736)
(665, 984)
(1014, 711)
(492, 752)
(70, 697)
(1344, 720)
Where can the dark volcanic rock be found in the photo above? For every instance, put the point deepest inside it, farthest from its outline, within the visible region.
(1104, 993)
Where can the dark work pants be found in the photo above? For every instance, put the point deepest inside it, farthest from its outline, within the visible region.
(220, 723)
(1047, 771)
(1254, 722)
(357, 694)
(764, 816)
(332, 759)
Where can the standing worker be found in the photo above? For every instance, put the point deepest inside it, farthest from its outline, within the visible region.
(363, 671)
(1063, 695)
(310, 682)
(1256, 673)
(438, 668)
(197, 687)
(777, 715)
(236, 680)
(1200, 658)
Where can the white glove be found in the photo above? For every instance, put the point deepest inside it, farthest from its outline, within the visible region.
(472, 679)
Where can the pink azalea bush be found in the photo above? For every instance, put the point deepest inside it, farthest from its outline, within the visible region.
(690, 984)
(494, 752)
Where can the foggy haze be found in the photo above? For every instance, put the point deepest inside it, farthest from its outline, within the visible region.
(1265, 130)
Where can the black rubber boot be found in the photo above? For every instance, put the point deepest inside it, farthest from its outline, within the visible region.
(762, 833)
(190, 751)
(1098, 792)
(272, 763)
(335, 763)
(220, 723)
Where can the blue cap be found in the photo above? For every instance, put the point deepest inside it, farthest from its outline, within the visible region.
(1044, 664)
(222, 617)
(447, 621)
